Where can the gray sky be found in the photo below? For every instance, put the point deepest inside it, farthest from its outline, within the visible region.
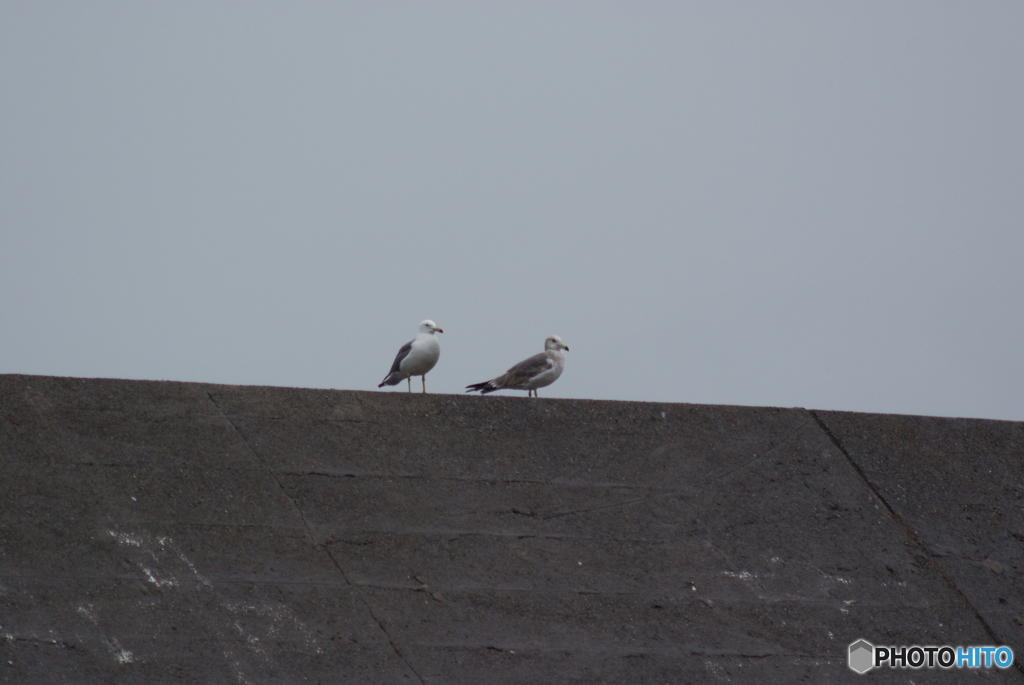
(789, 204)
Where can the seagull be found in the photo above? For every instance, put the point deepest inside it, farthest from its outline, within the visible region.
(536, 372)
(416, 357)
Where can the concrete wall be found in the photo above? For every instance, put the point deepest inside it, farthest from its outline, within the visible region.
(156, 532)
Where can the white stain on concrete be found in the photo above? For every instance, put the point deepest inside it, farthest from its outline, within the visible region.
(282, 621)
(120, 654)
(742, 575)
(159, 582)
(716, 671)
(836, 579)
(167, 568)
(169, 544)
(160, 554)
(126, 538)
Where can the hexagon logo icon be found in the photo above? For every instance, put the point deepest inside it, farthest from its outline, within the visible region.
(862, 656)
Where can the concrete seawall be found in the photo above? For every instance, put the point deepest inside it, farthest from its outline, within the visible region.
(159, 532)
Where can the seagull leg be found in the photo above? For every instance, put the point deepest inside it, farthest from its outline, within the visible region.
(410, 383)
(424, 379)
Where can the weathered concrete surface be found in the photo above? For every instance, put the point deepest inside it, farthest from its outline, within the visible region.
(155, 532)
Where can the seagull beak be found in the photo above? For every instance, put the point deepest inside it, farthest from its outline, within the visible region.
(564, 346)
(437, 329)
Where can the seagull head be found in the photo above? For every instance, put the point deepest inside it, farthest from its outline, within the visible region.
(429, 326)
(555, 343)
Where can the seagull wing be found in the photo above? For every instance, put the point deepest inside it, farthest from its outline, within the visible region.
(403, 352)
(520, 374)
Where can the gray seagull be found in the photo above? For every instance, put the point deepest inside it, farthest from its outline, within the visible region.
(536, 372)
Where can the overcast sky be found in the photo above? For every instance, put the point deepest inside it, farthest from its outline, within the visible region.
(789, 204)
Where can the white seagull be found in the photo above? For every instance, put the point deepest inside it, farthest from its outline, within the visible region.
(416, 357)
(536, 372)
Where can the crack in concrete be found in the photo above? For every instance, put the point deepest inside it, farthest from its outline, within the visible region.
(781, 443)
(669, 492)
(416, 476)
(42, 641)
(628, 652)
(911, 534)
(554, 483)
(453, 535)
(616, 505)
(312, 537)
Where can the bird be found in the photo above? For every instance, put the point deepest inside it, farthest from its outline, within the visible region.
(416, 357)
(538, 371)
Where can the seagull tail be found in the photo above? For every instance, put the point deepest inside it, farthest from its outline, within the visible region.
(390, 380)
(484, 388)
